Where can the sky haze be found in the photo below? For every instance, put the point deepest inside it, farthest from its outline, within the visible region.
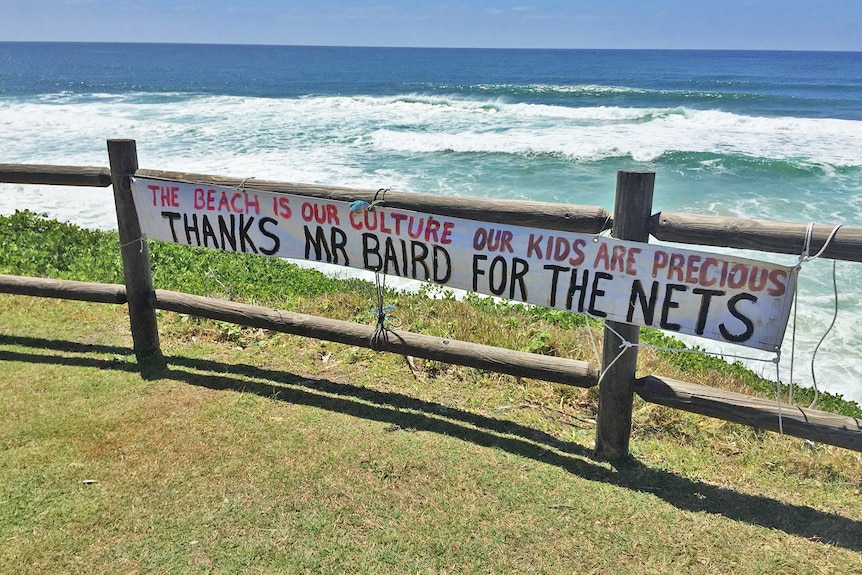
(630, 24)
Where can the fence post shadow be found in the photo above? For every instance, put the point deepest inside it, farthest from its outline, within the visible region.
(407, 412)
(524, 441)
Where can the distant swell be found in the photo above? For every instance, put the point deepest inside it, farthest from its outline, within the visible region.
(751, 166)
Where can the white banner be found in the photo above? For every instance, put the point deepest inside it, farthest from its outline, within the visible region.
(720, 297)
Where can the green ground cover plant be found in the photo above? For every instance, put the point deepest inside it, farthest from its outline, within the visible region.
(256, 452)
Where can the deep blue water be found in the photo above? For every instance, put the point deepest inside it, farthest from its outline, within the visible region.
(799, 84)
(775, 135)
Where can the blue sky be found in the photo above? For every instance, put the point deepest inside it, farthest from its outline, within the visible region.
(684, 24)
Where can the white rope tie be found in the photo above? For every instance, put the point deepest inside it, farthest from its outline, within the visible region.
(625, 345)
(809, 236)
(140, 240)
(826, 333)
(805, 258)
(241, 187)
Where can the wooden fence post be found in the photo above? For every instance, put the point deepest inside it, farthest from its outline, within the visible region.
(123, 157)
(632, 211)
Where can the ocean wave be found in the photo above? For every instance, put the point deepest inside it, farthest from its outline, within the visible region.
(643, 134)
(430, 123)
(69, 98)
(576, 89)
(748, 165)
(593, 91)
(421, 123)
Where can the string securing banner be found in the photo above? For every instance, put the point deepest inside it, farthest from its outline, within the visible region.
(804, 258)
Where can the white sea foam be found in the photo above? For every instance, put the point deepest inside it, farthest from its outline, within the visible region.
(412, 124)
(649, 136)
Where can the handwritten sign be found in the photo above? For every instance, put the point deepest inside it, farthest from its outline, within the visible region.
(719, 297)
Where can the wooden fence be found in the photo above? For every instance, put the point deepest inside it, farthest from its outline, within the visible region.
(632, 220)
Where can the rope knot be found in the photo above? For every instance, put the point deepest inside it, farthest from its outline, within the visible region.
(360, 206)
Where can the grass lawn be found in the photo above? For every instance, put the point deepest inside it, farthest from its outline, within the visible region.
(255, 452)
(290, 455)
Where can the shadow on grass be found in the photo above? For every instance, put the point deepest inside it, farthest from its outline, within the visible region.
(407, 412)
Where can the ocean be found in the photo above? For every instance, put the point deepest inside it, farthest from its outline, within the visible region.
(772, 135)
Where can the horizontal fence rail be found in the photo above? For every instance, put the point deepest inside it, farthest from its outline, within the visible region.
(762, 235)
(93, 177)
(731, 232)
(517, 363)
(63, 289)
(563, 217)
(812, 424)
(499, 360)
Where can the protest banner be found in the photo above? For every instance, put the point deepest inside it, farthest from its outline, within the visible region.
(724, 298)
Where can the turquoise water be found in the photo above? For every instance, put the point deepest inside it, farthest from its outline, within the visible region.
(775, 135)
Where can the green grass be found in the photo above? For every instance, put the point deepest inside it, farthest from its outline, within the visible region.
(256, 452)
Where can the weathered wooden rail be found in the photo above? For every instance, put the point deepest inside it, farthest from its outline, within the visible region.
(632, 220)
(761, 235)
(517, 363)
(447, 350)
(63, 289)
(756, 412)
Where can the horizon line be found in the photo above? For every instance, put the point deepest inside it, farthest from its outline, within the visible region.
(384, 47)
